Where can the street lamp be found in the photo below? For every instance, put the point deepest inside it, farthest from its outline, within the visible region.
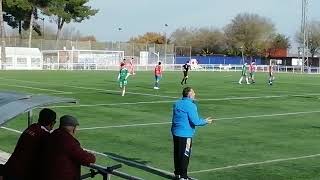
(166, 42)
(119, 29)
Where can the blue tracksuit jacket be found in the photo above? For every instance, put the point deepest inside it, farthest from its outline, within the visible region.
(185, 118)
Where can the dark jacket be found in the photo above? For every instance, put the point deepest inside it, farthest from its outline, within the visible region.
(24, 161)
(64, 157)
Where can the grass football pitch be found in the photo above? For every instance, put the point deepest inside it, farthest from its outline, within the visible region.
(260, 132)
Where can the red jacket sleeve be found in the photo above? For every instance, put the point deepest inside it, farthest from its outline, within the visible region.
(78, 154)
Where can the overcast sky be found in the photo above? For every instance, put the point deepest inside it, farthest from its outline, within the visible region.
(136, 17)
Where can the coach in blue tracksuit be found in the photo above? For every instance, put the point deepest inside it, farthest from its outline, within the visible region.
(185, 119)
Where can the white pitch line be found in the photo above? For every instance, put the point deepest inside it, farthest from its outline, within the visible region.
(110, 104)
(122, 126)
(219, 119)
(10, 129)
(254, 163)
(269, 115)
(116, 91)
(105, 90)
(159, 102)
(205, 170)
(36, 88)
(95, 89)
(261, 97)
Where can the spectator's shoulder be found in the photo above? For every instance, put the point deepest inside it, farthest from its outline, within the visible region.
(33, 130)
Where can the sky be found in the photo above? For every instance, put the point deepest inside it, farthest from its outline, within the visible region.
(136, 17)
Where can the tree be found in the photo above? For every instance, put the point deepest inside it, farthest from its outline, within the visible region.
(279, 43)
(313, 37)
(208, 41)
(18, 17)
(31, 8)
(182, 36)
(250, 32)
(65, 11)
(149, 37)
(204, 41)
(34, 6)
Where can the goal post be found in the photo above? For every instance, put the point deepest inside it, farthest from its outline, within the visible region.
(81, 59)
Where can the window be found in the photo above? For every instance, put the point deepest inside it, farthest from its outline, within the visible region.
(9, 61)
(35, 62)
(22, 61)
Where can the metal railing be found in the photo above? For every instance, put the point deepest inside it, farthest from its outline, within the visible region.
(107, 172)
(176, 67)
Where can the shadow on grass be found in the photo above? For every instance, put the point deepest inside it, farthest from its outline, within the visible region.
(140, 164)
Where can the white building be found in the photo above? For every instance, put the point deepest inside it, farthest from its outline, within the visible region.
(21, 58)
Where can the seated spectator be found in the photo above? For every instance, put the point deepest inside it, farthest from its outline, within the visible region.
(64, 155)
(24, 161)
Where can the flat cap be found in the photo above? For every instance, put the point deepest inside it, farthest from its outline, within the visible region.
(68, 120)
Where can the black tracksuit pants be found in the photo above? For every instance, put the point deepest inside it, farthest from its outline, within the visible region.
(181, 154)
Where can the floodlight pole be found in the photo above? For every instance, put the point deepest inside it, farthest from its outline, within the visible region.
(304, 29)
(165, 45)
(119, 29)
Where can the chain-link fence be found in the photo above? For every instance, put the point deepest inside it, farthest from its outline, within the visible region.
(155, 52)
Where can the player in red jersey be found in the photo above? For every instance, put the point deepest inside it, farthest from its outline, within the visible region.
(131, 67)
(252, 71)
(157, 75)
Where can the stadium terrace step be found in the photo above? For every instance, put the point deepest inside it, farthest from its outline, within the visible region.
(4, 157)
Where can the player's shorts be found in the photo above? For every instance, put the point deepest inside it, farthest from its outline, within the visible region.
(185, 74)
(123, 83)
(158, 78)
(252, 75)
(243, 73)
(270, 74)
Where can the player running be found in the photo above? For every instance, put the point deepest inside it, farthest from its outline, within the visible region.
(157, 75)
(185, 68)
(271, 75)
(122, 78)
(244, 74)
(252, 71)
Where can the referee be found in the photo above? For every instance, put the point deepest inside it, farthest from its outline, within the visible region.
(186, 67)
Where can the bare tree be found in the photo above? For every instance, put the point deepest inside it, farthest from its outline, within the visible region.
(250, 32)
(313, 40)
(204, 41)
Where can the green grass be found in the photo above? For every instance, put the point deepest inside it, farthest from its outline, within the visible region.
(229, 142)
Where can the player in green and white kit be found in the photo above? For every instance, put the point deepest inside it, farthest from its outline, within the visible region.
(244, 74)
(122, 78)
